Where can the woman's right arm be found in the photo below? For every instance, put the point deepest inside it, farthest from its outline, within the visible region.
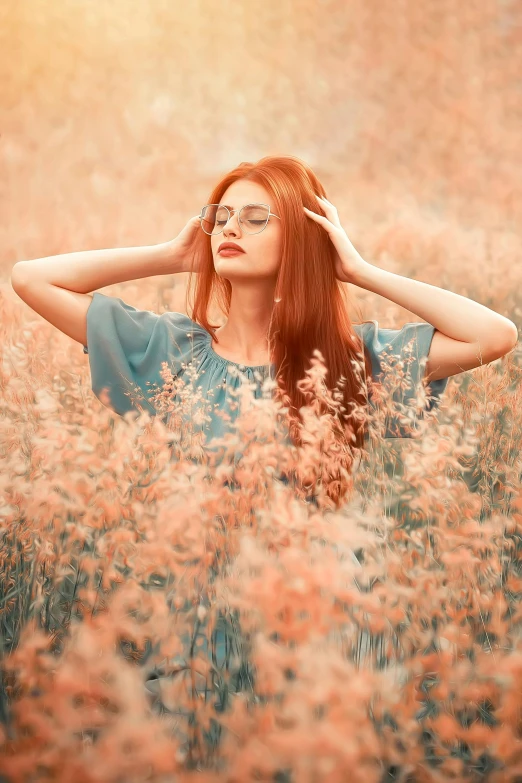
(88, 270)
(57, 287)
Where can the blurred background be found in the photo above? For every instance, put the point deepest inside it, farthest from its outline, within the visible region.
(117, 119)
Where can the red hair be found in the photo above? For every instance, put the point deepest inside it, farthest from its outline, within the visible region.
(314, 312)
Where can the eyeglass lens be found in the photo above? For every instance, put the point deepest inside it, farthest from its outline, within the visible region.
(252, 217)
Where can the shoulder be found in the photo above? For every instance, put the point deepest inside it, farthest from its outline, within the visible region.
(366, 328)
(135, 320)
(382, 342)
(410, 343)
(183, 330)
(371, 337)
(180, 321)
(113, 322)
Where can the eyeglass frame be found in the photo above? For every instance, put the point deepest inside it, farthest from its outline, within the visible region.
(230, 211)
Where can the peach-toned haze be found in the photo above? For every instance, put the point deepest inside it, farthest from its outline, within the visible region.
(378, 641)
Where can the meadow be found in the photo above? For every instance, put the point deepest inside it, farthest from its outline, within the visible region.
(379, 641)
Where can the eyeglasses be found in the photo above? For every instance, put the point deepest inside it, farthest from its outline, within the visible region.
(253, 218)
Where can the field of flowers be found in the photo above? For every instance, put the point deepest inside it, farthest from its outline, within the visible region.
(160, 619)
(290, 641)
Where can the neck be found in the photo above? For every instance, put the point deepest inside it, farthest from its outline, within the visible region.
(245, 333)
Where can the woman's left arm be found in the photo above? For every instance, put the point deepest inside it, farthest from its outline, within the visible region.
(468, 333)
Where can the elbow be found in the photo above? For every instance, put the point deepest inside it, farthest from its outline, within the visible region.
(508, 340)
(18, 276)
(513, 336)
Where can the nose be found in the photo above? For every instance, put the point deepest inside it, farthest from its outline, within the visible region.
(232, 226)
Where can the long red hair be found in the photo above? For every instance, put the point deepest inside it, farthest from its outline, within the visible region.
(314, 311)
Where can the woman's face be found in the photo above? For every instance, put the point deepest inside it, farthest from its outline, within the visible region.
(262, 256)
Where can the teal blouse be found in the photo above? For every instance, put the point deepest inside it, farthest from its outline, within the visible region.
(126, 347)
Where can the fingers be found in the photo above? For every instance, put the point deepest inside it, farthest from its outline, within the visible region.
(318, 218)
(322, 198)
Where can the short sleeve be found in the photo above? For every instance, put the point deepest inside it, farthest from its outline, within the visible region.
(126, 348)
(386, 346)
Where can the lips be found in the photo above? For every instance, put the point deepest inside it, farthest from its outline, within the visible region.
(230, 246)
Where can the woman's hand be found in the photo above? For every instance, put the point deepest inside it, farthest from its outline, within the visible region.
(182, 247)
(348, 263)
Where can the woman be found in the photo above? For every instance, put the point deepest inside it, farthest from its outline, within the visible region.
(281, 292)
(282, 296)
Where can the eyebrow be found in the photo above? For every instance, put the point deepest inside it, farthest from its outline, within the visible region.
(229, 207)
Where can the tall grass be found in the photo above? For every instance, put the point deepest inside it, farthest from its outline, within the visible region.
(292, 640)
(298, 643)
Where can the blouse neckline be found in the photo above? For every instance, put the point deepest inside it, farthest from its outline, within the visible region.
(225, 362)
